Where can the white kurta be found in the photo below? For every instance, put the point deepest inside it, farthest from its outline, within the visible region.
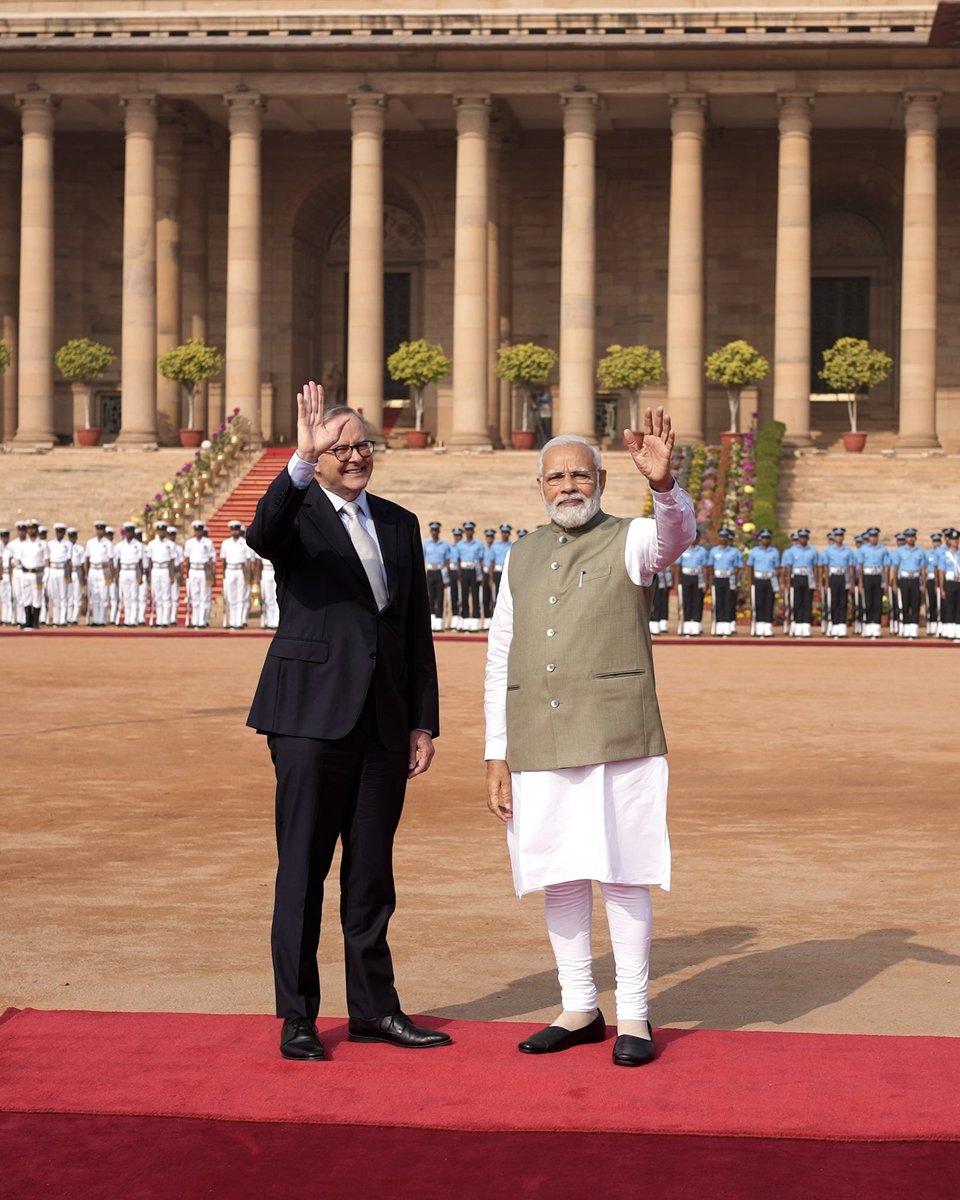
(606, 821)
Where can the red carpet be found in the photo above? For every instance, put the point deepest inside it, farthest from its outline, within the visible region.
(182, 1103)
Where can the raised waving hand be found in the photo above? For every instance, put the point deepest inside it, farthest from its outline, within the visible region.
(315, 434)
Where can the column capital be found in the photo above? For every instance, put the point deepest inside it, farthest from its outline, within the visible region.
(140, 116)
(796, 112)
(473, 113)
(368, 112)
(920, 111)
(579, 113)
(36, 111)
(688, 113)
(246, 112)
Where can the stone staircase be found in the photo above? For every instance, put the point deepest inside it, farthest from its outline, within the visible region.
(819, 491)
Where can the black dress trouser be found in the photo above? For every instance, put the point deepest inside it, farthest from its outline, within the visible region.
(351, 789)
(435, 591)
(872, 599)
(763, 600)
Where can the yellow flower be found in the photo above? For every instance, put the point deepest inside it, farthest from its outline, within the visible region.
(748, 527)
(749, 489)
(168, 487)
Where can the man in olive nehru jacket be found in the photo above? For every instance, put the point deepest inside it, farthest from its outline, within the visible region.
(575, 749)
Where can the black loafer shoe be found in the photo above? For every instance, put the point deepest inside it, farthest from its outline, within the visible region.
(632, 1051)
(553, 1039)
(298, 1039)
(396, 1030)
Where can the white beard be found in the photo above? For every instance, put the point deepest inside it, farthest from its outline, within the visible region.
(568, 517)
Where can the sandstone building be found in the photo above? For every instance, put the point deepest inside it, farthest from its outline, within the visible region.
(308, 184)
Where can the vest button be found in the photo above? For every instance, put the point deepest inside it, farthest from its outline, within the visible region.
(551, 666)
(562, 541)
(554, 566)
(553, 599)
(554, 703)
(551, 632)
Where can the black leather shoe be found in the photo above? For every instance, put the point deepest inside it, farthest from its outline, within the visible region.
(396, 1030)
(632, 1051)
(553, 1039)
(298, 1039)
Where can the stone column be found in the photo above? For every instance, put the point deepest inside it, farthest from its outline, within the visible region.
(138, 341)
(194, 257)
(365, 349)
(9, 281)
(574, 412)
(470, 275)
(791, 339)
(493, 278)
(169, 167)
(685, 271)
(243, 351)
(505, 323)
(35, 418)
(918, 289)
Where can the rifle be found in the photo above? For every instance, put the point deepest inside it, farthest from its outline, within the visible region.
(713, 609)
(753, 609)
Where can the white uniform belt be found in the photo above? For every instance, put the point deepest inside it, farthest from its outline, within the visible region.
(763, 574)
(198, 566)
(129, 566)
(234, 566)
(691, 574)
(801, 575)
(873, 570)
(431, 567)
(908, 574)
(57, 566)
(951, 575)
(841, 574)
(722, 574)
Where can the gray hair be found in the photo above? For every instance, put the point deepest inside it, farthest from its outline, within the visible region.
(569, 439)
(338, 411)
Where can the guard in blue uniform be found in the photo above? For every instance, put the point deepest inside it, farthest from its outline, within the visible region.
(501, 549)
(691, 582)
(872, 564)
(950, 585)
(764, 563)
(931, 565)
(436, 556)
(911, 564)
(838, 565)
(521, 533)
(800, 564)
(453, 577)
(470, 556)
(858, 542)
(723, 566)
(660, 602)
(486, 583)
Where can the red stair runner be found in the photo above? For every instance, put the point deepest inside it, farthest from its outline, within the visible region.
(240, 505)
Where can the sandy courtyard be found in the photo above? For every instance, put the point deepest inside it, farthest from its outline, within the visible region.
(814, 818)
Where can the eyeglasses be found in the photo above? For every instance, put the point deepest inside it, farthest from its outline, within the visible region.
(344, 453)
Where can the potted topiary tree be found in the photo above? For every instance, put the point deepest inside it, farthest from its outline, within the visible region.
(189, 364)
(84, 362)
(526, 365)
(629, 368)
(851, 367)
(416, 364)
(735, 366)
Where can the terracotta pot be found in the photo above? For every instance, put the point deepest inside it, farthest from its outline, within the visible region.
(417, 438)
(854, 443)
(87, 437)
(191, 438)
(523, 439)
(730, 437)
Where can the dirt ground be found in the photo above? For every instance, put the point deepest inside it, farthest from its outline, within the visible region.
(814, 819)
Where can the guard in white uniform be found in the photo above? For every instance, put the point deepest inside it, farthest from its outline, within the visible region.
(98, 569)
(59, 575)
(6, 587)
(30, 555)
(16, 576)
(575, 750)
(162, 556)
(42, 532)
(128, 560)
(113, 589)
(235, 556)
(197, 556)
(269, 608)
(75, 593)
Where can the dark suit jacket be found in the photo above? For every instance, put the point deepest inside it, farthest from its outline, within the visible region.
(331, 641)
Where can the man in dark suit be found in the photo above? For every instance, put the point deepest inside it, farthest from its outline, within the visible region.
(348, 699)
